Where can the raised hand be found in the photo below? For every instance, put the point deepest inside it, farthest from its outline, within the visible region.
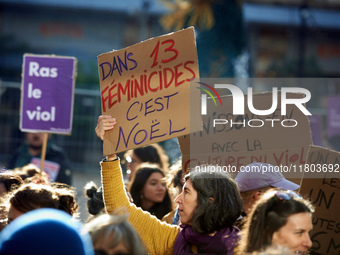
(105, 122)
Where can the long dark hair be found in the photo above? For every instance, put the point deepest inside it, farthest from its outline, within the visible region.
(267, 216)
(152, 153)
(33, 196)
(142, 175)
(210, 216)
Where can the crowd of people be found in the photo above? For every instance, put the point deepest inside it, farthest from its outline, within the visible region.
(156, 210)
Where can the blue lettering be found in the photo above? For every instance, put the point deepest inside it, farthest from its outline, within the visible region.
(121, 132)
(175, 131)
(103, 72)
(156, 102)
(121, 63)
(146, 135)
(132, 60)
(168, 97)
(127, 113)
(115, 66)
(147, 107)
(153, 131)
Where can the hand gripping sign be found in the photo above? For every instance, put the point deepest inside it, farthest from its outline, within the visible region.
(146, 87)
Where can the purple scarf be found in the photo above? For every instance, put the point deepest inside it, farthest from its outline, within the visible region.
(223, 242)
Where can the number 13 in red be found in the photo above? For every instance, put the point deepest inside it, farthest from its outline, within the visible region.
(172, 53)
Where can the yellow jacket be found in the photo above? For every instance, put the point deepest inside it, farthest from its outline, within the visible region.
(158, 237)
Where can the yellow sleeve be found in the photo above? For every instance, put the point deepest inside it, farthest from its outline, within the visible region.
(158, 236)
(168, 217)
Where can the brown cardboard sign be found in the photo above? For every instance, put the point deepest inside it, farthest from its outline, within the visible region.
(325, 196)
(146, 87)
(281, 140)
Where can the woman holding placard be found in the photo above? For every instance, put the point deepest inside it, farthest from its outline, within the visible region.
(208, 207)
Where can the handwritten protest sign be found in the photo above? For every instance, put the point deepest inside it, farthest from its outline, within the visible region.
(47, 93)
(146, 87)
(325, 196)
(281, 140)
(50, 168)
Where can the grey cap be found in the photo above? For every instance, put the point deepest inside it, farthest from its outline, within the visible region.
(260, 175)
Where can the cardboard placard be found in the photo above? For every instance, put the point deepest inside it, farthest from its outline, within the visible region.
(333, 116)
(325, 196)
(146, 87)
(50, 168)
(47, 93)
(240, 145)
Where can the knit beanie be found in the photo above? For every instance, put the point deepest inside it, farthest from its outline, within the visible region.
(46, 232)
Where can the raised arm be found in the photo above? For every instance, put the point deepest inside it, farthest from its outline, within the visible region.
(158, 236)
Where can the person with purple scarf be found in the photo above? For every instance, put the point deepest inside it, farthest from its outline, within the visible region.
(208, 206)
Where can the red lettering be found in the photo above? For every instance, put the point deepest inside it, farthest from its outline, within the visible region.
(145, 83)
(160, 80)
(177, 75)
(155, 54)
(278, 160)
(231, 160)
(187, 165)
(124, 91)
(166, 82)
(170, 49)
(139, 87)
(149, 82)
(111, 96)
(302, 161)
(294, 157)
(104, 98)
(190, 70)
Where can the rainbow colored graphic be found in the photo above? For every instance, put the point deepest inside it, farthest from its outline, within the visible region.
(209, 93)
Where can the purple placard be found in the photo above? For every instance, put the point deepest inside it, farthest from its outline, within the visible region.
(47, 93)
(315, 123)
(333, 116)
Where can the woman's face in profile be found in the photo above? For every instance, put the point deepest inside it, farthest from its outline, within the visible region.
(295, 234)
(187, 202)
